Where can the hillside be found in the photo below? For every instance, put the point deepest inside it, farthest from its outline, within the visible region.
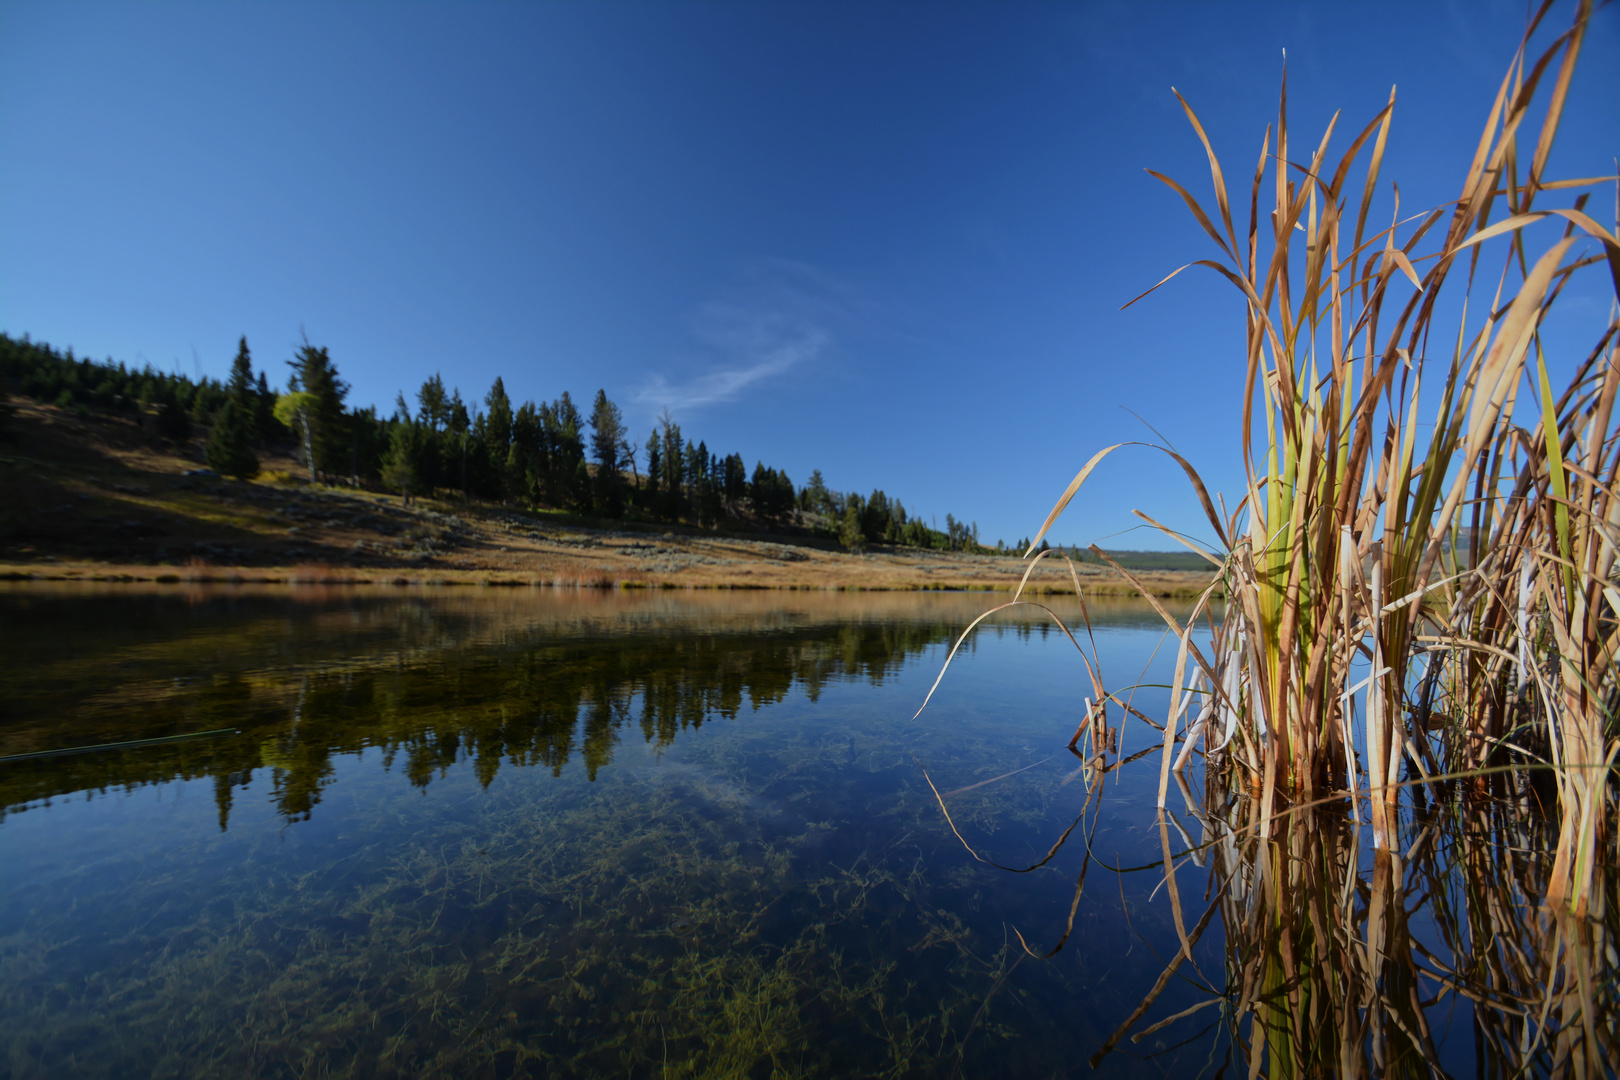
(92, 496)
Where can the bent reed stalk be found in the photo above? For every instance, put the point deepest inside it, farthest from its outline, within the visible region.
(1456, 570)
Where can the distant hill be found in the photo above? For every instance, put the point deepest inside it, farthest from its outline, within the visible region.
(1145, 560)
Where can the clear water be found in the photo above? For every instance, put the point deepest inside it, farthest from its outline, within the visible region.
(548, 833)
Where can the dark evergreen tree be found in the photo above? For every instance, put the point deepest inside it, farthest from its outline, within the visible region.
(815, 497)
(399, 464)
(498, 431)
(172, 422)
(242, 391)
(693, 459)
(459, 422)
(484, 474)
(459, 425)
(627, 456)
(673, 460)
(371, 441)
(735, 482)
(875, 522)
(265, 424)
(607, 439)
(435, 407)
(849, 531)
(230, 450)
(565, 480)
(771, 492)
(207, 398)
(703, 484)
(655, 466)
(526, 459)
(240, 383)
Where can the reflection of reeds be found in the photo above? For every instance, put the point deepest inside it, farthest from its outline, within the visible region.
(1326, 976)
(1319, 958)
(1543, 983)
(1458, 538)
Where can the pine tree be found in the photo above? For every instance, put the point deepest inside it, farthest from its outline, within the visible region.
(265, 423)
(672, 460)
(240, 384)
(849, 532)
(435, 408)
(498, 429)
(399, 464)
(607, 431)
(627, 454)
(458, 425)
(771, 492)
(816, 498)
(736, 482)
(570, 479)
(172, 422)
(229, 452)
(607, 435)
(877, 521)
(655, 465)
(526, 459)
(459, 422)
(242, 391)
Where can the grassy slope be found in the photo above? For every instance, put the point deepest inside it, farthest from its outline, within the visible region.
(92, 496)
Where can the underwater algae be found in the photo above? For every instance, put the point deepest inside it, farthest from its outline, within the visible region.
(578, 931)
(634, 890)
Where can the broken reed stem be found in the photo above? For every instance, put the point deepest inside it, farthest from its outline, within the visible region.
(1377, 721)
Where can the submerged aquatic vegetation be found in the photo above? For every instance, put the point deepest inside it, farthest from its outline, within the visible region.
(661, 918)
(762, 893)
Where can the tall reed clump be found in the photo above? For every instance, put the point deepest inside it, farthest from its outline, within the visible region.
(1460, 536)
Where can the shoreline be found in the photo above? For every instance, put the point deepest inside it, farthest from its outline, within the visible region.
(148, 574)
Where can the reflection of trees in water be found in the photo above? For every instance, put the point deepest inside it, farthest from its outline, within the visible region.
(534, 703)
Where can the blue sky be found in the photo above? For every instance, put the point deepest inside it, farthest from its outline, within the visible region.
(888, 241)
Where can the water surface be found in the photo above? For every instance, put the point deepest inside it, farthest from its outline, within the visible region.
(558, 833)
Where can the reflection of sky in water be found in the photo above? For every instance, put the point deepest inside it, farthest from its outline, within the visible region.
(773, 888)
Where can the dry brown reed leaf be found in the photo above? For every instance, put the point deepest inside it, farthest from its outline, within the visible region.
(1426, 548)
(1051, 853)
(1354, 490)
(1163, 980)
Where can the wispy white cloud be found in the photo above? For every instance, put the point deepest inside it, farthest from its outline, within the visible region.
(776, 322)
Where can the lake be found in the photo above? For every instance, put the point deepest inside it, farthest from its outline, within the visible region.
(538, 832)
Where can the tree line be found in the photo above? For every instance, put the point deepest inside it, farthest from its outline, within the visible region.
(550, 454)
